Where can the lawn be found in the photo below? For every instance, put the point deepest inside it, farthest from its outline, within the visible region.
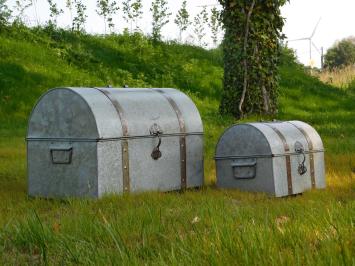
(205, 226)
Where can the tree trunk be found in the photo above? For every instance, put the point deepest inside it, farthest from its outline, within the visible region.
(251, 50)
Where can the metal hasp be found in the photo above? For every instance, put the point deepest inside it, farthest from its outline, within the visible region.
(88, 142)
(155, 130)
(279, 158)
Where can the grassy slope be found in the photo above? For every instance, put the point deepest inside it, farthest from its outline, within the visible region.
(232, 226)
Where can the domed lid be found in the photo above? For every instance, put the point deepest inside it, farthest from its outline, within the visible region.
(94, 114)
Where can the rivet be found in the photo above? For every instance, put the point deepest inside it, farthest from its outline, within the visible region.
(124, 149)
(125, 167)
(183, 160)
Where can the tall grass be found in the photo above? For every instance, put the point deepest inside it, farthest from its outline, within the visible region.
(343, 78)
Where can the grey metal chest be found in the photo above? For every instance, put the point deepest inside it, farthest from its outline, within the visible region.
(92, 141)
(280, 158)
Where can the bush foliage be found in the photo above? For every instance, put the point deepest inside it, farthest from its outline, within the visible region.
(341, 54)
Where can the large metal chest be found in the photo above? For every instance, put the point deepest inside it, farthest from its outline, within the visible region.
(92, 141)
(280, 158)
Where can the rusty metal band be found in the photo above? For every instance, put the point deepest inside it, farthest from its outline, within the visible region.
(311, 156)
(124, 142)
(182, 137)
(288, 158)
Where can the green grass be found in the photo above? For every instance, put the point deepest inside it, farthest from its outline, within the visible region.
(207, 226)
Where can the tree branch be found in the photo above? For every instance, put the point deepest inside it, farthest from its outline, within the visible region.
(245, 64)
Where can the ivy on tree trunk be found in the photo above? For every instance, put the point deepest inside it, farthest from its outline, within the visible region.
(251, 49)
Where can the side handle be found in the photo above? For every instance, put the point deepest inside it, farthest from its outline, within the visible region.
(244, 169)
(61, 155)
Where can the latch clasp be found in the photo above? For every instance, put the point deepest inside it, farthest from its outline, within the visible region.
(155, 130)
(302, 169)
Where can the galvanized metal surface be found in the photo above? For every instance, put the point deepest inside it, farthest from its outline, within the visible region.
(124, 142)
(115, 124)
(311, 157)
(288, 156)
(182, 137)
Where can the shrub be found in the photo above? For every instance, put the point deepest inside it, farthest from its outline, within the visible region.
(341, 54)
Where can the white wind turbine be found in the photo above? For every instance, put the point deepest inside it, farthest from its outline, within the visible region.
(311, 43)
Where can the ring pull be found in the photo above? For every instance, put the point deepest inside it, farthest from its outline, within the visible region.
(156, 131)
(302, 169)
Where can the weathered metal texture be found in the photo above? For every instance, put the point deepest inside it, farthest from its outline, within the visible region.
(93, 141)
(280, 158)
(124, 142)
(182, 137)
(287, 156)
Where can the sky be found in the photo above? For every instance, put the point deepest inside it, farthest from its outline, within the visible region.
(337, 21)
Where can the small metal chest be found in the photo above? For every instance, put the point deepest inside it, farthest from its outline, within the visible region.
(280, 158)
(92, 141)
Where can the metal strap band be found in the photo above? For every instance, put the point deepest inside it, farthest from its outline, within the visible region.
(311, 156)
(124, 142)
(182, 137)
(288, 158)
(115, 139)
